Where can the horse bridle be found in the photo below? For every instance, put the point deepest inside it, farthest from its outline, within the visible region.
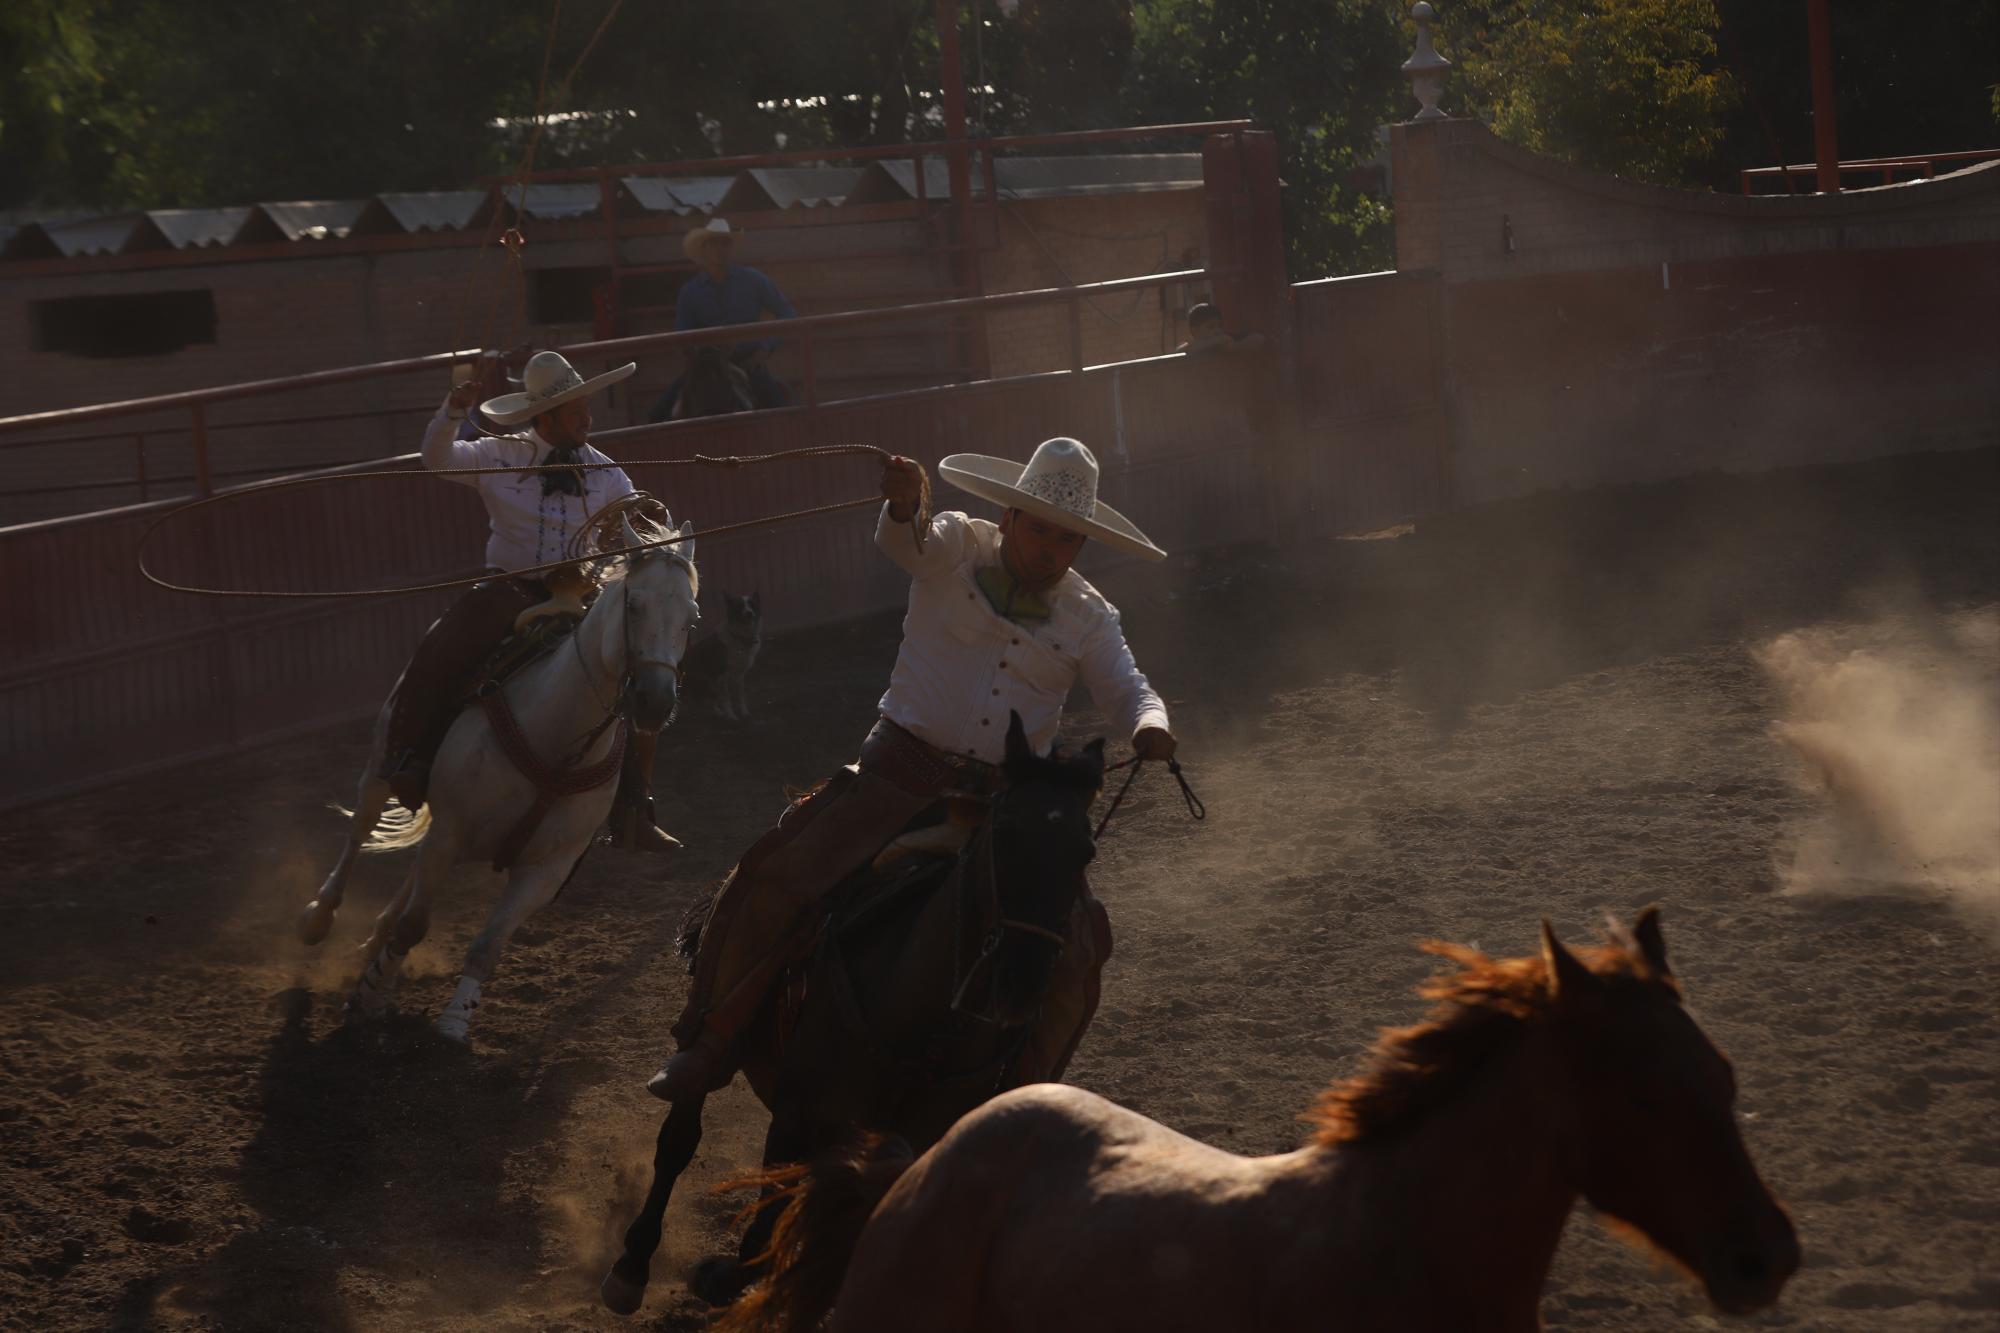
(613, 708)
(991, 944)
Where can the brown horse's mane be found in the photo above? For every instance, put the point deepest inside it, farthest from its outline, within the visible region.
(1481, 1009)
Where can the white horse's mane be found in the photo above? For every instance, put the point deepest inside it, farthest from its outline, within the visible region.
(646, 529)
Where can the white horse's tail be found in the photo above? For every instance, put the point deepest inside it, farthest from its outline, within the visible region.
(398, 827)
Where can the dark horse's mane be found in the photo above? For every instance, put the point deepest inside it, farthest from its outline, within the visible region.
(1481, 1010)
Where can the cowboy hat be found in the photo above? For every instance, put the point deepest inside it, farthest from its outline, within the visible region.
(713, 229)
(548, 382)
(1058, 484)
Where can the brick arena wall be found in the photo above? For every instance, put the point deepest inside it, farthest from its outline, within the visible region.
(1634, 332)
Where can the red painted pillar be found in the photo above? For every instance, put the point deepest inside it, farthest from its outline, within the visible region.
(958, 164)
(1246, 234)
(1826, 145)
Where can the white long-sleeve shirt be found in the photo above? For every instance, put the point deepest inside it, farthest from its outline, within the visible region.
(527, 528)
(963, 666)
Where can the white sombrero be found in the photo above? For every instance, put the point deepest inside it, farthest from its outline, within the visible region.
(1059, 484)
(548, 382)
(713, 229)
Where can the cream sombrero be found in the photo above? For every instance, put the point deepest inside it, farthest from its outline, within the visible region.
(1059, 484)
(715, 229)
(548, 381)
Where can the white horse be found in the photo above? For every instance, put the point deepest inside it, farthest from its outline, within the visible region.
(564, 706)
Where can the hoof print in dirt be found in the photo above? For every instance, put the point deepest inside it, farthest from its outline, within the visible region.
(142, 1223)
(55, 1264)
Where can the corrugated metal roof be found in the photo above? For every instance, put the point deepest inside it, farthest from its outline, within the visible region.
(702, 192)
(788, 187)
(103, 236)
(432, 210)
(554, 202)
(894, 178)
(679, 195)
(654, 194)
(314, 219)
(185, 227)
(759, 188)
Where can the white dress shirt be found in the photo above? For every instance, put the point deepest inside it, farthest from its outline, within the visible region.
(963, 666)
(528, 528)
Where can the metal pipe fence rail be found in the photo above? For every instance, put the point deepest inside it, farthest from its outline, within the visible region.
(199, 428)
(106, 677)
(1919, 166)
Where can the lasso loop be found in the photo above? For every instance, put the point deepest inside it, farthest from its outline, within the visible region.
(920, 522)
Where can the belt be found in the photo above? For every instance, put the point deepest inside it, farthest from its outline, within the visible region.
(920, 768)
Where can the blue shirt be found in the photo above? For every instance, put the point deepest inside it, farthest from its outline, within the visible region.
(741, 296)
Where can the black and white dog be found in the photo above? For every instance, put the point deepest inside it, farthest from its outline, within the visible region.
(718, 664)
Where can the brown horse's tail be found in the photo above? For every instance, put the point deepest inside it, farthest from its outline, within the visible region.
(828, 1203)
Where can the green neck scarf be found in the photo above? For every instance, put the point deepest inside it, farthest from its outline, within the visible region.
(1006, 596)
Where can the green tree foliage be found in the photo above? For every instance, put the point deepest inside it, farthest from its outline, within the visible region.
(1322, 74)
(122, 103)
(1914, 78)
(1629, 87)
(67, 125)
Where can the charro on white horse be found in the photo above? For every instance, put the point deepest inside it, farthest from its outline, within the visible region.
(565, 710)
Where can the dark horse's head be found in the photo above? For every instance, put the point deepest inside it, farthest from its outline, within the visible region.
(713, 384)
(1041, 840)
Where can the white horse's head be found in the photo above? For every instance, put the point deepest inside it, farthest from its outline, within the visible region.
(661, 586)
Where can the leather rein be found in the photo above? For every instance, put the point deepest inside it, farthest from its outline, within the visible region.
(615, 709)
(966, 973)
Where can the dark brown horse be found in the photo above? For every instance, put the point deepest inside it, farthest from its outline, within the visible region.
(918, 997)
(1430, 1198)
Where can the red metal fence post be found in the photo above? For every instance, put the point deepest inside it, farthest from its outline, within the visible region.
(139, 452)
(1826, 147)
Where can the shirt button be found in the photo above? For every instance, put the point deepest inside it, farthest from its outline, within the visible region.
(1003, 666)
(1017, 643)
(985, 721)
(996, 693)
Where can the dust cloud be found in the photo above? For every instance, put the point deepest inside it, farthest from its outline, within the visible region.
(1898, 723)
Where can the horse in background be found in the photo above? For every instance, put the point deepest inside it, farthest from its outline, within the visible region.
(623, 657)
(1431, 1196)
(711, 386)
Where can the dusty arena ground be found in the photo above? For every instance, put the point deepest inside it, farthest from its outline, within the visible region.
(1565, 706)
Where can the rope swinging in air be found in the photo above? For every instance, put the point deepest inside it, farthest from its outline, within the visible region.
(512, 239)
(920, 521)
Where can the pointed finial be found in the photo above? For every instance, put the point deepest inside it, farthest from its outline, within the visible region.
(1425, 68)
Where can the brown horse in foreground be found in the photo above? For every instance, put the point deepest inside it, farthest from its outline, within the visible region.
(1431, 1196)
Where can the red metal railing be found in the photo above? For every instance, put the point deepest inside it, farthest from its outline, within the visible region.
(195, 402)
(1916, 166)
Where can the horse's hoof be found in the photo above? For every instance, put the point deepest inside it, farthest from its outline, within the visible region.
(718, 1280)
(455, 1028)
(620, 1296)
(315, 922)
(365, 1005)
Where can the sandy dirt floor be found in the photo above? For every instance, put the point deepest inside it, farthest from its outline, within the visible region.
(1561, 706)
